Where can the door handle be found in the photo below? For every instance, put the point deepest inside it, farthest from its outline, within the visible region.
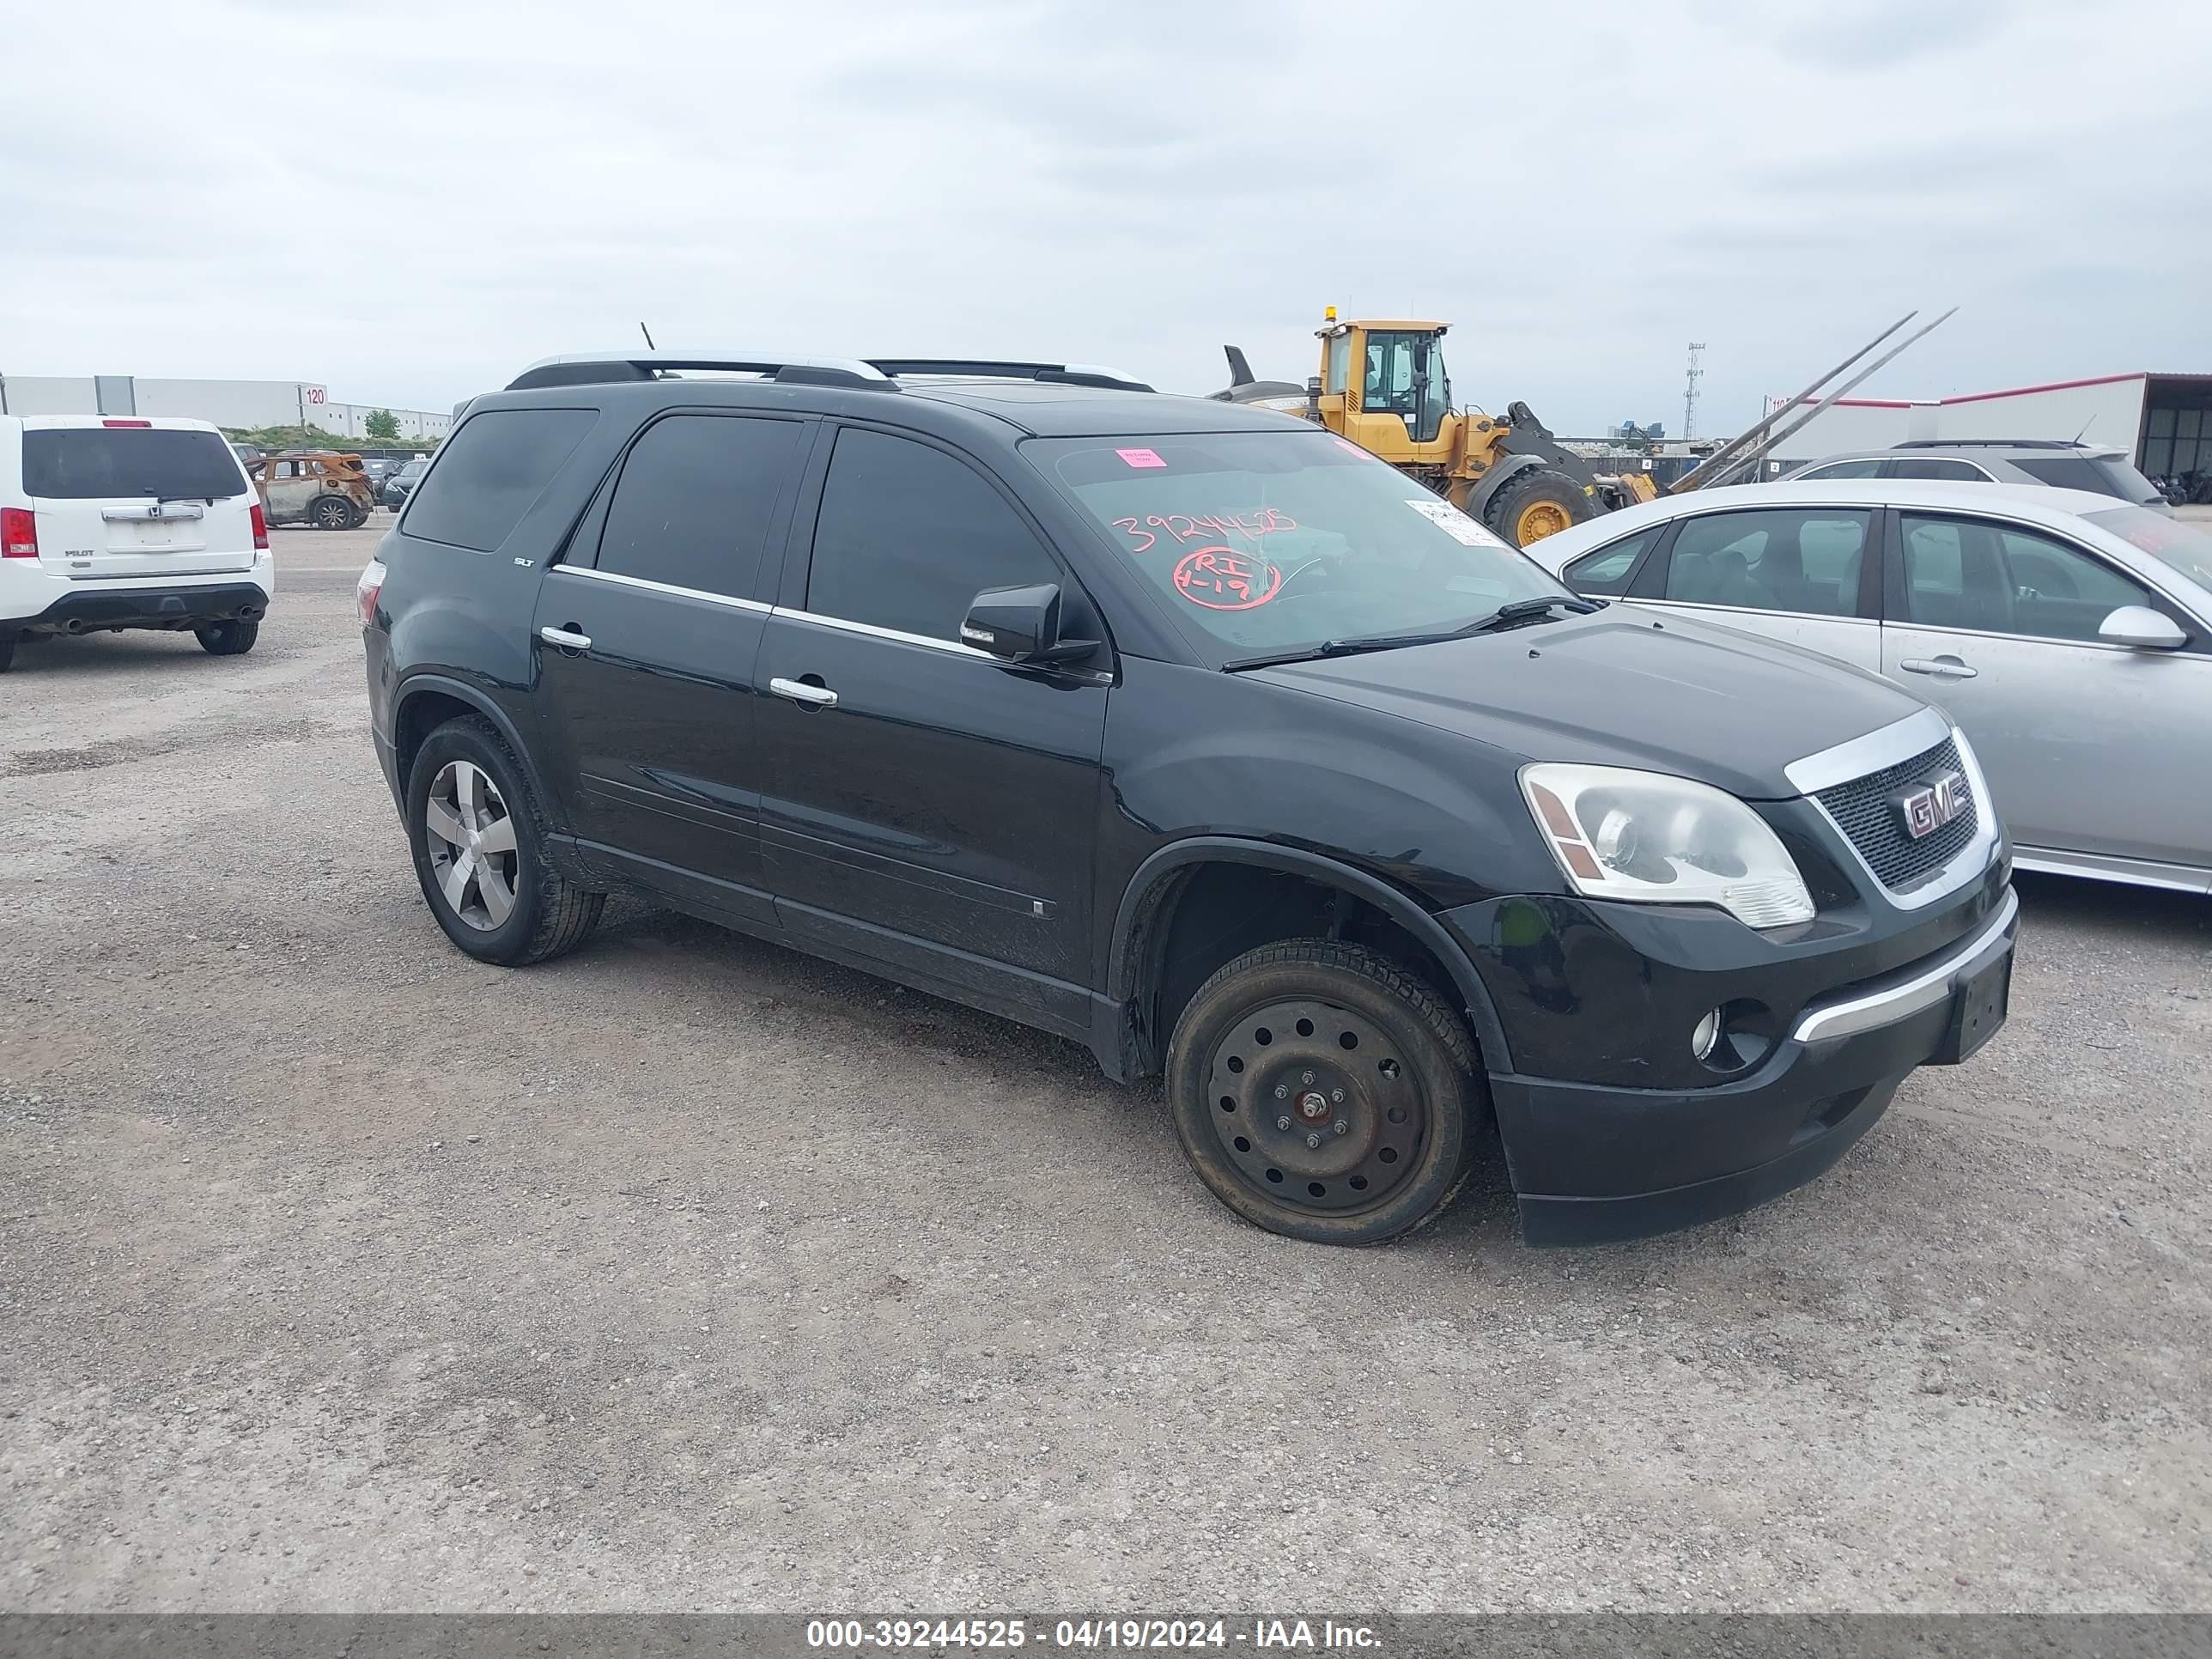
(567, 638)
(1943, 668)
(814, 696)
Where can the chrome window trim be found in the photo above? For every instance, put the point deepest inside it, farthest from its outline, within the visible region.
(2043, 638)
(1909, 996)
(790, 613)
(670, 588)
(872, 631)
(1756, 611)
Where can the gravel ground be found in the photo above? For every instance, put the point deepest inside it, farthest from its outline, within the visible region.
(339, 1271)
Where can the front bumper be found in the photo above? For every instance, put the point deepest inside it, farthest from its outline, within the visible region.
(1593, 1162)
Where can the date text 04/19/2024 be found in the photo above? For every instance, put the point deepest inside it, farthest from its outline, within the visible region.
(1121, 1634)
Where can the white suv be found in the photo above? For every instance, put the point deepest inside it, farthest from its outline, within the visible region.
(111, 523)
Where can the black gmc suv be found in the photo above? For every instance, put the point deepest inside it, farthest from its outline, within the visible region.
(1200, 736)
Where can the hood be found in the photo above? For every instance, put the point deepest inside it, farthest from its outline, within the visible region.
(1615, 689)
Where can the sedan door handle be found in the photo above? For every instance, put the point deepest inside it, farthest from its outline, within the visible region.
(1943, 668)
(567, 638)
(814, 696)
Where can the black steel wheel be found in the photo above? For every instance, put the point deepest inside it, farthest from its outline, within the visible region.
(1323, 1092)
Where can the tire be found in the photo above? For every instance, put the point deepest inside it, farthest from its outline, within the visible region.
(7, 651)
(331, 513)
(227, 639)
(360, 516)
(1229, 1091)
(545, 915)
(1539, 502)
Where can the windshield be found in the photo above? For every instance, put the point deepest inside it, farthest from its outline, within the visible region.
(2181, 547)
(1262, 542)
(414, 470)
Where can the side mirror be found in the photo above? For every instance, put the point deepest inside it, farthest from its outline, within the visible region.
(1021, 624)
(2142, 628)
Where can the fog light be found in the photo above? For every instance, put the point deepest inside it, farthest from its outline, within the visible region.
(1705, 1036)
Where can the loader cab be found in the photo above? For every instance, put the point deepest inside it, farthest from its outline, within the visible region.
(1389, 383)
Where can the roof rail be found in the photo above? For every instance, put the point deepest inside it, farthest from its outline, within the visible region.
(1997, 443)
(596, 367)
(997, 369)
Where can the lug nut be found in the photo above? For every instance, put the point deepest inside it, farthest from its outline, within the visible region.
(1306, 1076)
(1337, 1094)
(1282, 1091)
(1342, 1128)
(1282, 1123)
(1313, 1141)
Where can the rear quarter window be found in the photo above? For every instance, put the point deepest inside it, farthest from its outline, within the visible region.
(2070, 472)
(491, 471)
(1608, 570)
(81, 464)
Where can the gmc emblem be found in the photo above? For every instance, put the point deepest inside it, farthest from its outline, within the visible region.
(1933, 805)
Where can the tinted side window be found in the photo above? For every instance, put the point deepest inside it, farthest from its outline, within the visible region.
(490, 471)
(908, 536)
(1964, 575)
(1805, 560)
(1925, 466)
(1844, 469)
(1607, 571)
(695, 500)
(2068, 473)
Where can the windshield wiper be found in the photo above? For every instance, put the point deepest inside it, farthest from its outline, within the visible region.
(1528, 610)
(1519, 613)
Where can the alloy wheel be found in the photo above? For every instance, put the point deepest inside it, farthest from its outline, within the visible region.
(470, 836)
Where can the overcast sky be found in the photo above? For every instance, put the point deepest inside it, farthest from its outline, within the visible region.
(410, 203)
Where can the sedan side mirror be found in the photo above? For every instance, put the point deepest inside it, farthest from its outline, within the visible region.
(1021, 624)
(2142, 628)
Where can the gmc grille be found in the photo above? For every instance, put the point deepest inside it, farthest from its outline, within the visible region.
(1870, 821)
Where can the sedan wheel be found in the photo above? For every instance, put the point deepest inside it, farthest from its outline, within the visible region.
(471, 838)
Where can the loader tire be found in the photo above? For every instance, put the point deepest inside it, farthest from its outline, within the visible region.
(1541, 501)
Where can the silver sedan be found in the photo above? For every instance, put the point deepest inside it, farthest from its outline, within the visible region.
(2068, 635)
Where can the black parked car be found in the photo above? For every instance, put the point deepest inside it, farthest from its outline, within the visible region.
(394, 489)
(1195, 734)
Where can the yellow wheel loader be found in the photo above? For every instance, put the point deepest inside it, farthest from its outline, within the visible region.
(1383, 385)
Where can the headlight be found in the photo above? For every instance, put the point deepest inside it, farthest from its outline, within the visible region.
(1626, 835)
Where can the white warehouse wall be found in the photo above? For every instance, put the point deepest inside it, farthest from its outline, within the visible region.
(2106, 411)
(226, 402)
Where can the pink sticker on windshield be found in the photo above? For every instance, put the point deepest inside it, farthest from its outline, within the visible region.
(1140, 458)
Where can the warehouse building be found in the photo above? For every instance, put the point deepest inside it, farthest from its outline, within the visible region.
(2164, 420)
(252, 403)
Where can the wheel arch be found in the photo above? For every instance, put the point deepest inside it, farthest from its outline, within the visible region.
(1142, 926)
(424, 702)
